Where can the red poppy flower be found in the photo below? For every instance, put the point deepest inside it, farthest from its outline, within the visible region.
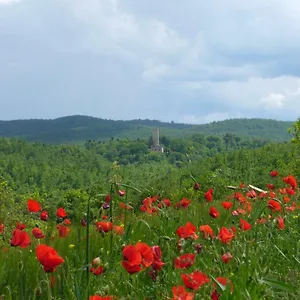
(38, 233)
(207, 231)
(97, 271)
(67, 222)
(290, 191)
(48, 257)
(244, 225)
(146, 252)
(280, 223)
(61, 213)
(290, 180)
(251, 194)
(33, 205)
(225, 235)
(187, 231)
(184, 203)
(179, 293)
(157, 262)
(227, 205)
(274, 205)
(194, 280)
(166, 202)
(63, 230)
(118, 229)
(107, 198)
(224, 281)
(274, 173)
(44, 215)
(184, 261)
(239, 197)
(270, 186)
(104, 226)
(96, 297)
(209, 195)
(20, 226)
(213, 212)
(2, 227)
(132, 259)
(226, 258)
(20, 238)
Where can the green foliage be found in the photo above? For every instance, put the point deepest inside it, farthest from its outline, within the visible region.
(78, 129)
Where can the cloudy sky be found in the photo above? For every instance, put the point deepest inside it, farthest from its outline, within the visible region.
(190, 61)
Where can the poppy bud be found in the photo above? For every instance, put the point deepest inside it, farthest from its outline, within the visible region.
(196, 186)
(96, 262)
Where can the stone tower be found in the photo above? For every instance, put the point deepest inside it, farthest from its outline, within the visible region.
(156, 147)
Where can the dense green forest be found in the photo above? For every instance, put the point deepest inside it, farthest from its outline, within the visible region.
(64, 173)
(78, 129)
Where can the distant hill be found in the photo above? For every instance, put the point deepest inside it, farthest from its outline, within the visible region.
(78, 129)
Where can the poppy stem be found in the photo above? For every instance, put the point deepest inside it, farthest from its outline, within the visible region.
(88, 247)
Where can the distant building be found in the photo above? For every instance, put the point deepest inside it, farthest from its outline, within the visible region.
(156, 147)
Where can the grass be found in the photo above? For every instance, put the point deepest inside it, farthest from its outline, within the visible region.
(265, 264)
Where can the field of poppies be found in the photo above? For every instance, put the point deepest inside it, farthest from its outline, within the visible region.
(242, 245)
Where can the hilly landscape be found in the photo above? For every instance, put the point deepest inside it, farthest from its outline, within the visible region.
(78, 129)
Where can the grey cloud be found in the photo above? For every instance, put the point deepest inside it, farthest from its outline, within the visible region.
(149, 59)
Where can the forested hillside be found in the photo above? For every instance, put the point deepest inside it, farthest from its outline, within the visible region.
(78, 129)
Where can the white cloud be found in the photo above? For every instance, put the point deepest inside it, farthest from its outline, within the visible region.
(273, 100)
(9, 1)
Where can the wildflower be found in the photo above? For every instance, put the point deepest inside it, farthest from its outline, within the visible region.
(2, 228)
(48, 257)
(270, 186)
(225, 235)
(179, 293)
(207, 231)
(280, 223)
(71, 246)
(61, 213)
(67, 222)
(244, 225)
(274, 205)
(63, 230)
(20, 238)
(209, 195)
(38, 233)
(44, 215)
(223, 281)
(33, 205)
(157, 262)
(274, 173)
(213, 212)
(104, 226)
(187, 231)
(226, 258)
(97, 271)
(96, 297)
(184, 261)
(251, 194)
(290, 180)
(227, 205)
(194, 280)
(20, 226)
(137, 257)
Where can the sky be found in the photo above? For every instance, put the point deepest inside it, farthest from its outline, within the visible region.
(190, 61)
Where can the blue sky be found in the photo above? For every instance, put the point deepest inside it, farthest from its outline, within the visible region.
(191, 61)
